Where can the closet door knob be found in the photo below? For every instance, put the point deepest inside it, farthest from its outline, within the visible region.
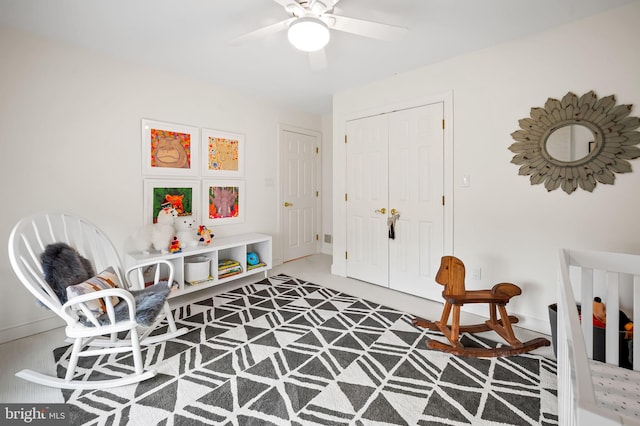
(287, 204)
(381, 211)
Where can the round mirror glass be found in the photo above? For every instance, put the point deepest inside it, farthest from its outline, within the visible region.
(570, 143)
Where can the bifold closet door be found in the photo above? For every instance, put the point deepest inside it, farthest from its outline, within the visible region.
(367, 203)
(395, 165)
(416, 187)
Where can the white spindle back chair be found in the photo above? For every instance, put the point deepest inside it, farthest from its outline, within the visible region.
(28, 240)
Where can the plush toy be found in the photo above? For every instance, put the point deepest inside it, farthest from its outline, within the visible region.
(252, 258)
(625, 326)
(158, 235)
(186, 231)
(628, 330)
(600, 318)
(599, 313)
(174, 247)
(204, 235)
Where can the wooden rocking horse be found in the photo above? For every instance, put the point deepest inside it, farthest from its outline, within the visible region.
(451, 276)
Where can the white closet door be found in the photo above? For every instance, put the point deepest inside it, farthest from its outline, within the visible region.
(416, 182)
(368, 189)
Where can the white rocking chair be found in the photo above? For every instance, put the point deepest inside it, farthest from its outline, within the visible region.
(28, 240)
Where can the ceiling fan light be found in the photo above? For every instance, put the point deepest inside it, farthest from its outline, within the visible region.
(308, 34)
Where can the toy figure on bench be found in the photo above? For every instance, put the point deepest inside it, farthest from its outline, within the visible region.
(451, 276)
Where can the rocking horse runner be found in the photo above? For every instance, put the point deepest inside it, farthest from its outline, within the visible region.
(451, 276)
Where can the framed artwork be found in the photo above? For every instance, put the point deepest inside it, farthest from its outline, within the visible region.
(223, 153)
(169, 149)
(223, 201)
(183, 195)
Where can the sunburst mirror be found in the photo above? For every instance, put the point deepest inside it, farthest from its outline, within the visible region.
(576, 142)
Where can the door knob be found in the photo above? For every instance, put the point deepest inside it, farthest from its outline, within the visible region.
(287, 204)
(381, 211)
(393, 211)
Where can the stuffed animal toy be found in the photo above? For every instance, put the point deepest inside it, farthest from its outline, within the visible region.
(158, 235)
(186, 231)
(599, 313)
(204, 235)
(600, 317)
(252, 258)
(625, 326)
(174, 247)
(628, 330)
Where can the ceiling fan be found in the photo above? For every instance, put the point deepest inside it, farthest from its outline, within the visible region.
(309, 24)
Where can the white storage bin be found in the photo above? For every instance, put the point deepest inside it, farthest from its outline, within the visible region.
(196, 268)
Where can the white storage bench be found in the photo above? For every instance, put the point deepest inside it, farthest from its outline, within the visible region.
(192, 260)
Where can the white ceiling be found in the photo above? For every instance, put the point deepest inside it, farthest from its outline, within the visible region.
(191, 37)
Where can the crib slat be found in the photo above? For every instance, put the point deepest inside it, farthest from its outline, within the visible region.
(587, 308)
(636, 320)
(613, 305)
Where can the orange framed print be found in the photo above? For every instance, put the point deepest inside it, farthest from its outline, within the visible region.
(169, 149)
(222, 153)
(223, 201)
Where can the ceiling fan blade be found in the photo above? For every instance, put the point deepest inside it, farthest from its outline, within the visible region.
(262, 32)
(318, 60)
(292, 6)
(285, 3)
(364, 28)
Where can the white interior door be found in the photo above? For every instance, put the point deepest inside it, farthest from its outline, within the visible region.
(299, 192)
(416, 182)
(395, 162)
(367, 200)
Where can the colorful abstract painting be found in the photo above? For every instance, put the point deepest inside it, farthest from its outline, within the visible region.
(223, 202)
(223, 154)
(180, 199)
(170, 149)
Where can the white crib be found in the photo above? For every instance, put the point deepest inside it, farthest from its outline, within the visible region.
(582, 398)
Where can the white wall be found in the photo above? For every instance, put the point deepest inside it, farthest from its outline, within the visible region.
(502, 224)
(70, 138)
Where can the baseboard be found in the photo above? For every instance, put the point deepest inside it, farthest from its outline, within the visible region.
(527, 322)
(24, 330)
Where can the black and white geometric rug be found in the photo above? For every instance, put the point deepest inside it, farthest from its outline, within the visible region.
(288, 352)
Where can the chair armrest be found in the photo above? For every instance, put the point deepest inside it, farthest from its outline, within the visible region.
(134, 276)
(70, 310)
